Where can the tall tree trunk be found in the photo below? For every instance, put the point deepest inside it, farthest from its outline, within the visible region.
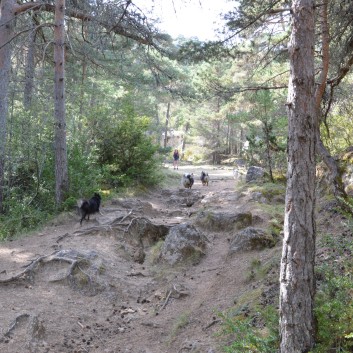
(267, 132)
(297, 281)
(331, 163)
(29, 74)
(61, 169)
(228, 143)
(241, 142)
(166, 125)
(186, 131)
(82, 88)
(6, 33)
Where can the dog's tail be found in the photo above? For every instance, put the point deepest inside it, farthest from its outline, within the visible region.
(83, 206)
(80, 203)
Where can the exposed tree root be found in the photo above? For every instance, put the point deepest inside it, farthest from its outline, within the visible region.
(74, 258)
(14, 324)
(27, 274)
(62, 237)
(118, 222)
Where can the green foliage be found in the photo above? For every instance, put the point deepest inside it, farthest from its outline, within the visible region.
(180, 322)
(21, 217)
(165, 151)
(258, 271)
(84, 172)
(266, 135)
(347, 206)
(125, 151)
(28, 207)
(334, 299)
(249, 337)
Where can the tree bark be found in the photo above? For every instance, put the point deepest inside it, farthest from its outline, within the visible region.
(166, 126)
(30, 67)
(266, 130)
(297, 281)
(6, 33)
(186, 131)
(61, 169)
(331, 163)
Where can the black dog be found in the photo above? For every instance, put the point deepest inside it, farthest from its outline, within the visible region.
(90, 206)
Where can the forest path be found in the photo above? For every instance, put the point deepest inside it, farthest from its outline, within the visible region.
(70, 289)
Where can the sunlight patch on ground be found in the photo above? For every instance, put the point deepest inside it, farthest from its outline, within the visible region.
(17, 255)
(213, 171)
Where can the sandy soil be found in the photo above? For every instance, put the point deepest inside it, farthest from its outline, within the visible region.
(72, 289)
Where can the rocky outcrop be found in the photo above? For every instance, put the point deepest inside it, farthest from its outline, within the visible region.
(251, 239)
(254, 174)
(221, 221)
(183, 242)
(142, 231)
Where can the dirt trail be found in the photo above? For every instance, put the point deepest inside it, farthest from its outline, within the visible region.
(72, 289)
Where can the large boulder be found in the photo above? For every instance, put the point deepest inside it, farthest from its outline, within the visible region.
(251, 239)
(345, 167)
(254, 173)
(222, 221)
(142, 232)
(183, 242)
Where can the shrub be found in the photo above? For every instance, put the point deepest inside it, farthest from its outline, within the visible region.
(257, 333)
(126, 153)
(21, 217)
(334, 299)
(84, 173)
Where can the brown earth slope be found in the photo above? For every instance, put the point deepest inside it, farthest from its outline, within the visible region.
(70, 289)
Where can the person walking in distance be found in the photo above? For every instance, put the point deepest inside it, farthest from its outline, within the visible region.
(176, 159)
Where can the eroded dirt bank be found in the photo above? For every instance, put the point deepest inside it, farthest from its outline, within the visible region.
(70, 289)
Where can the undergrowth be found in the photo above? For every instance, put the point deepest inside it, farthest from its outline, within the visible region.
(256, 333)
(256, 330)
(334, 298)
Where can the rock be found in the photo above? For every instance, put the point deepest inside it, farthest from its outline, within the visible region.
(139, 255)
(258, 197)
(251, 239)
(221, 221)
(142, 231)
(183, 242)
(254, 173)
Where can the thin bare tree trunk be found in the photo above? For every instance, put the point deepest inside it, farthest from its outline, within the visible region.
(297, 280)
(6, 32)
(61, 169)
(268, 149)
(166, 125)
(29, 74)
(83, 80)
(331, 163)
(186, 131)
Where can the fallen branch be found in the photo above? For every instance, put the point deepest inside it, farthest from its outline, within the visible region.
(211, 324)
(62, 237)
(211, 269)
(122, 219)
(167, 299)
(136, 274)
(92, 230)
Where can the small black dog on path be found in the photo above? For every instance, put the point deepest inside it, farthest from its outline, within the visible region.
(88, 207)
